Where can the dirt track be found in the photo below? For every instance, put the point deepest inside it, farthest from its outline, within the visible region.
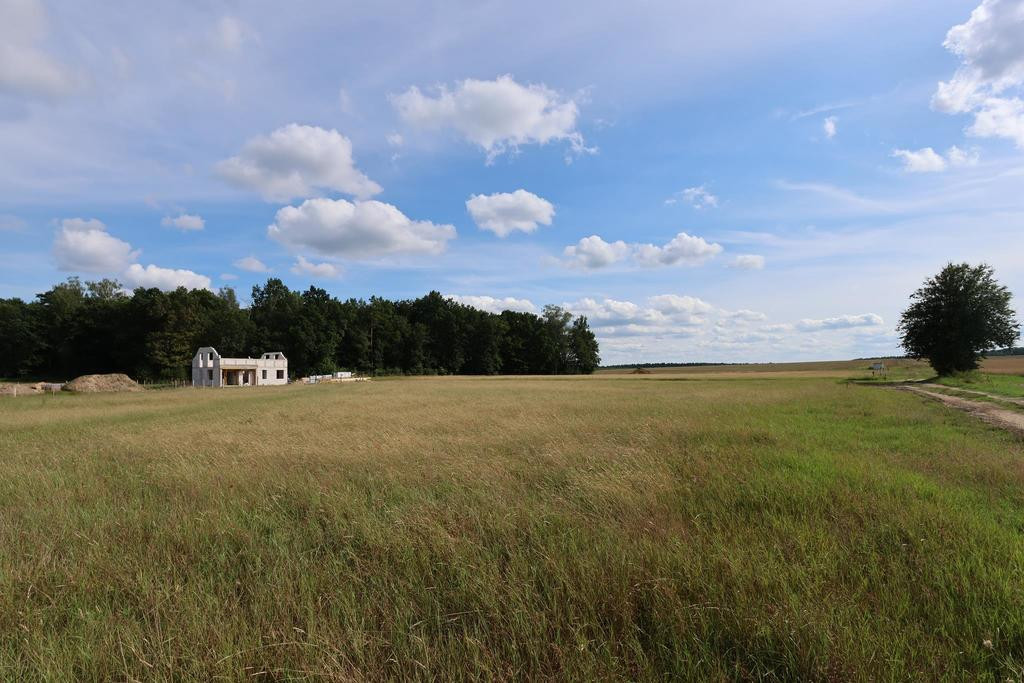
(993, 414)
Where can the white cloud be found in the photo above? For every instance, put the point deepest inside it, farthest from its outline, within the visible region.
(231, 33)
(367, 229)
(295, 162)
(594, 252)
(612, 313)
(1000, 117)
(927, 160)
(227, 277)
(663, 314)
(166, 279)
(395, 139)
(683, 249)
(252, 265)
(829, 126)
(748, 262)
(185, 221)
(673, 304)
(991, 73)
(504, 212)
(85, 246)
(962, 157)
(499, 115)
(494, 305)
(697, 197)
(744, 315)
(320, 270)
(840, 322)
(24, 67)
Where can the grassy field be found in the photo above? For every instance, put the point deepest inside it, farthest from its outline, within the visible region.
(1001, 384)
(897, 368)
(661, 526)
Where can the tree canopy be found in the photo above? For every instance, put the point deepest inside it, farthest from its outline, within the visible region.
(76, 328)
(956, 316)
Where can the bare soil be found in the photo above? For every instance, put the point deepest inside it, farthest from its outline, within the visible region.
(988, 412)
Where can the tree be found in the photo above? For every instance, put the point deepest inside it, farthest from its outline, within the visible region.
(956, 316)
(556, 338)
(583, 350)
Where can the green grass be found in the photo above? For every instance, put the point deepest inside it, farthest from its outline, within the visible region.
(574, 528)
(1003, 385)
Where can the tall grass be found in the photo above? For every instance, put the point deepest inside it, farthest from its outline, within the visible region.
(602, 527)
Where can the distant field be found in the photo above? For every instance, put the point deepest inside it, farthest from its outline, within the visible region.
(589, 528)
(902, 367)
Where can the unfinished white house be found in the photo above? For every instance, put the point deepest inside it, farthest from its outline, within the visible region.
(210, 369)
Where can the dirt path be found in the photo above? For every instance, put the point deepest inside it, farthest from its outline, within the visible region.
(993, 414)
(1006, 399)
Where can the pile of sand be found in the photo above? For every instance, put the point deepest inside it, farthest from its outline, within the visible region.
(91, 384)
(21, 389)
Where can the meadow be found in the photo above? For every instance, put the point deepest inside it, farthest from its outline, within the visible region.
(671, 525)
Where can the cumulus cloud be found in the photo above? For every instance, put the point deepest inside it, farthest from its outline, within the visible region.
(295, 162)
(697, 197)
(593, 252)
(361, 229)
(24, 67)
(85, 246)
(927, 160)
(252, 265)
(990, 78)
(494, 305)
(683, 249)
(840, 322)
(675, 304)
(499, 115)
(613, 313)
(744, 315)
(748, 262)
(185, 221)
(829, 126)
(662, 314)
(504, 212)
(962, 157)
(166, 279)
(320, 270)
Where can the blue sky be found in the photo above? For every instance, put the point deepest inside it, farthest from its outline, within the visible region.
(705, 181)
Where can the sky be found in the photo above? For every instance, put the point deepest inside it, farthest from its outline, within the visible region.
(726, 181)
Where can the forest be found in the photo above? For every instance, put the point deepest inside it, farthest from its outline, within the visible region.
(78, 327)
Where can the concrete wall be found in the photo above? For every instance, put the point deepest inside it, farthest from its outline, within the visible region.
(210, 369)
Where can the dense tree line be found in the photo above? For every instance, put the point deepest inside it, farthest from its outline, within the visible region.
(77, 328)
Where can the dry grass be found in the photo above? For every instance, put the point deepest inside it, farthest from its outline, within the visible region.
(584, 528)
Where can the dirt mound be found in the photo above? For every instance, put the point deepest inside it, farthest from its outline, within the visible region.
(91, 384)
(21, 389)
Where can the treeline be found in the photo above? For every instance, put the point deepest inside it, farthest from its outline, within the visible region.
(77, 328)
(651, 366)
(1015, 351)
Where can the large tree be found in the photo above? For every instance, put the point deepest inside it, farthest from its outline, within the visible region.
(956, 316)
